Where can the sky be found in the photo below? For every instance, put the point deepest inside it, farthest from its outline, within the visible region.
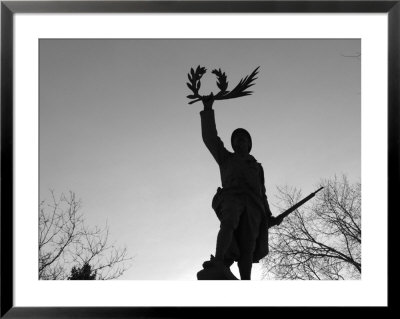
(116, 128)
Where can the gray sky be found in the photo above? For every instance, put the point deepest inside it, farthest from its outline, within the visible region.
(116, 128)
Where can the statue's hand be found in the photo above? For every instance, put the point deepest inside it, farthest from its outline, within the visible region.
(276, 221)
(208, 101)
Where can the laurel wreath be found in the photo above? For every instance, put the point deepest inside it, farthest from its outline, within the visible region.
(239, 90)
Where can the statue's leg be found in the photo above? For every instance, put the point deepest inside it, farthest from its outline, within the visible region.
(230, 212)
(245, 264)
(228, 262)
(245, 261)
(224, 240)
(248, 233)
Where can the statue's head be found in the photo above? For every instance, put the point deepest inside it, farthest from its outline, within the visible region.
(241, 141)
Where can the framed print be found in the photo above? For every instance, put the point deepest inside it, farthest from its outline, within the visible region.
(104, 163)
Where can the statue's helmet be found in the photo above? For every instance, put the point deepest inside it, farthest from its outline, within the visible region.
(241, 131)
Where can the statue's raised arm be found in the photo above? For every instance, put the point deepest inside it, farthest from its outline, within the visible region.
(209, 131)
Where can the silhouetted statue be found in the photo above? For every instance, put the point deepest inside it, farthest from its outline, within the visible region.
(241, 204)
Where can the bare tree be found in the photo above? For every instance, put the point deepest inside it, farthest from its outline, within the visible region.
(65, 241)
(321, 241)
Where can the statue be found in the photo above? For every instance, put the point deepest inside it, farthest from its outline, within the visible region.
(241, 204)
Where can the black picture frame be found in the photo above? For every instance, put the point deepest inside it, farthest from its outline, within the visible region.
(9, 8)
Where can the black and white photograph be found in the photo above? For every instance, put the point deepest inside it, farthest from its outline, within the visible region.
(187, 158)
(208, 159)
